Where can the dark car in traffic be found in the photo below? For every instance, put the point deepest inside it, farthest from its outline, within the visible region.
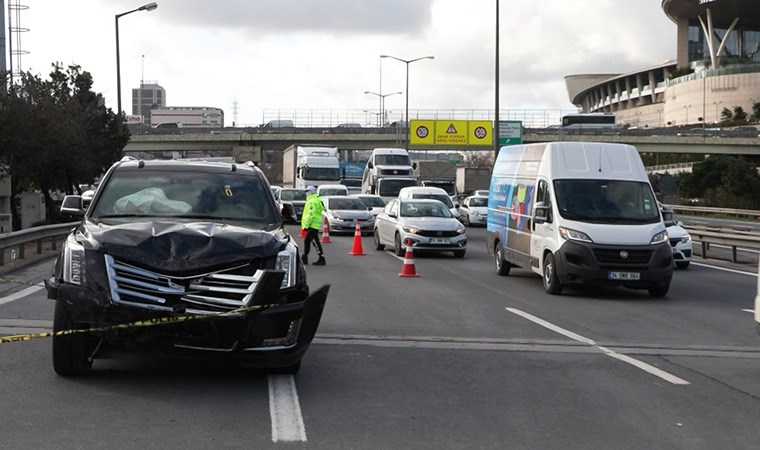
(185, 258)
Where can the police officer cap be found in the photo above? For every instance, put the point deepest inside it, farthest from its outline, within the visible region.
(311, 189)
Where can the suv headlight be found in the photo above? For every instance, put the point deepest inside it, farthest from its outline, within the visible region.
(660, 237)
(573, 235)
(286, 261)
(73, 261)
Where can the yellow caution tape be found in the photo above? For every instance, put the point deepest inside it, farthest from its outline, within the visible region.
(138, 324)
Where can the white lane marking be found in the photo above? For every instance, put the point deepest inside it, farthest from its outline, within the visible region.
(740, 272)
(284, 410)
(634, 362)
(751, 311)
(21, 294)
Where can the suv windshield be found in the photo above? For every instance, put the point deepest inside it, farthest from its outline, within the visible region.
(287, 195)
(606, 201)
(191, 195)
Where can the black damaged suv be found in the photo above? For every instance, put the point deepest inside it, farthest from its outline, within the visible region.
(182, 257)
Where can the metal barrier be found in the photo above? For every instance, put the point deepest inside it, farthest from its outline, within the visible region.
(17, 241)
(724, 236)
(703, 210)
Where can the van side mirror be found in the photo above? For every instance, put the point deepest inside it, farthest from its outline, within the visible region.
(414, 165)
(369, 164)
(542, 214)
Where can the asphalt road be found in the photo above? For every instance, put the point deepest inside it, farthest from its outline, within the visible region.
(457, 358)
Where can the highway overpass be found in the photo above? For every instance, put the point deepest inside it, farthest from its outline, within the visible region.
(255, 140)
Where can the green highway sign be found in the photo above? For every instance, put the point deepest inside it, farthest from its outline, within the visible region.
(510, 132)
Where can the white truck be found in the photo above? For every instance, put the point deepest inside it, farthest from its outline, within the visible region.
(471, 179)
(310, 165)
(388, 171)
(440, 174)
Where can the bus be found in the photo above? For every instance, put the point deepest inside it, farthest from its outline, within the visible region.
(588, 121)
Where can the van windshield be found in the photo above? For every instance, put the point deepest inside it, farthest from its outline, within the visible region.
(392, 160)
(606, 201)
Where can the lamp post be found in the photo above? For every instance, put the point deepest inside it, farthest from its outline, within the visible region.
(382, 102)
(407, 62)
(146, 7)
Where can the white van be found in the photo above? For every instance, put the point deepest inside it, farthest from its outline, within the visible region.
(578, 213)
(430, 192)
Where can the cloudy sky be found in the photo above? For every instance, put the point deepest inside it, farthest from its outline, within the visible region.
(270, 55)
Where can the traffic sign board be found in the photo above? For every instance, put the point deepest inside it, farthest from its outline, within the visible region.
(510, 132)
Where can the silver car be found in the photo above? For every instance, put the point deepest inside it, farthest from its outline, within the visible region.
(426, 224)
(374, 202)
(343, 211)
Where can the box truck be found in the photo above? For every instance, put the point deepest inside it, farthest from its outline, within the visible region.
(310, 165)
(578, 213)
(440, 174)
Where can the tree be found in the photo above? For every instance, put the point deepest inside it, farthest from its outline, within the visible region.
(756, 111)
(739, 114)
(56, 133)
(725, 180)
(726, 114)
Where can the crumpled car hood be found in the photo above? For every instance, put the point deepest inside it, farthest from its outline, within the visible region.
(179, 247)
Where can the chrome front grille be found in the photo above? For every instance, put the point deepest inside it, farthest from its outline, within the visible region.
(209, 293)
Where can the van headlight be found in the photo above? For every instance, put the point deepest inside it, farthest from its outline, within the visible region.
(573, 235)
(73, 261)
(286, 261)
(660, 237)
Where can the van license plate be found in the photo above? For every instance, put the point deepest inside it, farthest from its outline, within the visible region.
(623, 275)
(439, 241)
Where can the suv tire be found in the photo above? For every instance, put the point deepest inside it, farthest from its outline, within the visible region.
(70, 351)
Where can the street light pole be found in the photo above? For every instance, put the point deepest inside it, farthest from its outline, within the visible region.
(382, 101)
(407, 62)
(147, 7)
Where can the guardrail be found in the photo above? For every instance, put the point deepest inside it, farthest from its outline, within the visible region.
(723, 236)
(703, 210)
(15, 246)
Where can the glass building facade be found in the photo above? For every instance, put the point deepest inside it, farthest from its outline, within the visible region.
(742, 46)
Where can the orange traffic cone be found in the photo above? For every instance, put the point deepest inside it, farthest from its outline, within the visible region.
(325, 232)
(303, 233)
(407, 270)
(357, 248)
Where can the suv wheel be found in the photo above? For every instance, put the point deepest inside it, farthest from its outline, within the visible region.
(70, 351)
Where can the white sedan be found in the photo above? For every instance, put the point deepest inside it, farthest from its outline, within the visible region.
(425, 224)
(474, 210)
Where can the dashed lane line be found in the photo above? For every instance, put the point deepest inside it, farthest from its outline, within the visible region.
(613, 354)
(21, 294)
(285, 410)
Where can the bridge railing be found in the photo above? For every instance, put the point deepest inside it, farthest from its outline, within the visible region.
(704, 210)
(17, 246)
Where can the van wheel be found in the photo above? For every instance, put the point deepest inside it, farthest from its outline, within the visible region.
(70, 351)
(502, 265)
(551, 280)
(682, 264)
(659, 290)
(397, 247)
(378, 245)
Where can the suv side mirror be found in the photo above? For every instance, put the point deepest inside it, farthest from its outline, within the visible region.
(72, 205)
(288, 213)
